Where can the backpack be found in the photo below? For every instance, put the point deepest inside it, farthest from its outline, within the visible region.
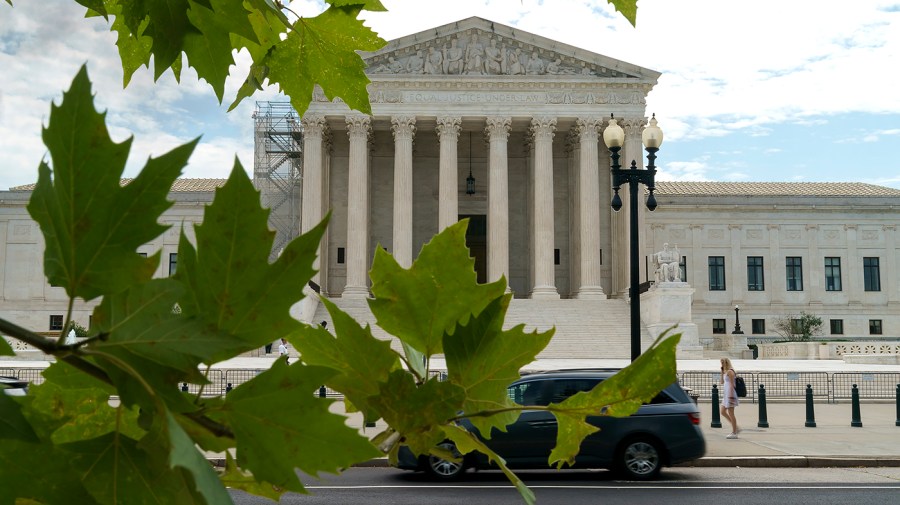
(739, 387)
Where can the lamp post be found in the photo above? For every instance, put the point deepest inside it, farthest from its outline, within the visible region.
(614, 137)
(737, 321)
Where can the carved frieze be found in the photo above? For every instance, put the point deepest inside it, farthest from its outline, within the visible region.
(477, 52)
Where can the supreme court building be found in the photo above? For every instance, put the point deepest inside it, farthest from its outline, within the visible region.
(483, 121)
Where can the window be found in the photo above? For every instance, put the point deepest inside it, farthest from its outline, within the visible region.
(56, 322)
(173, 263)
(717, 273)
(556, 256)
(340, 258)
(837, 326)
(871, 274)
(755, 280)
(682, 268)
(794, 270)
(832, 274)
(142, 254)
(796, 327)
(759, 326)
(874, 326)
(718, 326)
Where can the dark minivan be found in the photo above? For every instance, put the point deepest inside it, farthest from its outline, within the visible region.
(664, 432)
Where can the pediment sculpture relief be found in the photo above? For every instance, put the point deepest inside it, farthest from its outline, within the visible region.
(481, 53)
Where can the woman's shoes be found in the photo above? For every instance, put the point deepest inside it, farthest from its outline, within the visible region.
(732, 436)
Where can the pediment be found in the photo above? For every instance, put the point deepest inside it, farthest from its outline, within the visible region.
(476, 46)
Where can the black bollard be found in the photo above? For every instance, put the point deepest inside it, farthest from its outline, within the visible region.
(322, 392)
(763, 416)
(228, 388)
(897, 422)
(716, 420)
(184, 387)
(855, 420)
(810, 413)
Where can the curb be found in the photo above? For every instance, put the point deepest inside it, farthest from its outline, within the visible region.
(721, 462)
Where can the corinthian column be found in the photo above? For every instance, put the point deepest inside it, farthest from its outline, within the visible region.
(544, 270)
(498, 198)
(314, 128)
(404, 127)
(448, 187)
(589, 209)
(358, 207)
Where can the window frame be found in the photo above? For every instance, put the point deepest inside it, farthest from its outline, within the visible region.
(716, 273)
(719, 326)
(871, 273)
(836, 324)
(793, 273)
(756, 277)
(753, 326)
(833, 273)
(56, 322)
(173, 263)
(876, 327)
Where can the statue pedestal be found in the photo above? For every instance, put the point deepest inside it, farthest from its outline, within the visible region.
(668, 304)
(732, 343)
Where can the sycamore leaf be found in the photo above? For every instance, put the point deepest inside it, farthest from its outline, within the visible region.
(76, 406)
(484, 360)
(363, 361)
(13, 424)
(235, 478)
(417, 412)
(168, 26)
(466, 442)
(94, 5)
(92, 227)
(367, 5)
(233, 287)
(418, 305)
(620, 395)
(628, 9)
(5, 348)
(323, 50)
(115, 470)
(40, 472)
(184, 454)
(279, 425)
(208, 49)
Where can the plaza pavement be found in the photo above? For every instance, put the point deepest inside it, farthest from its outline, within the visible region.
(785, 443)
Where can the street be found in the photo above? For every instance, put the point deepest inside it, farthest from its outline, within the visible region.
(677, 486)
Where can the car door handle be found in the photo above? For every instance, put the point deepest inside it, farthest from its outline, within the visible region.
(543, 423)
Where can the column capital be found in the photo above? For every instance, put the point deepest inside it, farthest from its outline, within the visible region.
(589, 127)
(632, 126)
(498, 127)
(448, 125)
(403, 126)
(358, 124)
(314, 125)
(542, 128)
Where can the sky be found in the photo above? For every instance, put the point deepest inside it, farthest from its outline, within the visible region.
(761, 90)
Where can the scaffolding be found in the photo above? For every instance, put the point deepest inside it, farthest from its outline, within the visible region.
(278, 168)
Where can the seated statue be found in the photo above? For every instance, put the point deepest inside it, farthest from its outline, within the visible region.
(667, 261)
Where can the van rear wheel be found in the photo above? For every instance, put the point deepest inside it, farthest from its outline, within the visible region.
(445, 469)
(639, 459)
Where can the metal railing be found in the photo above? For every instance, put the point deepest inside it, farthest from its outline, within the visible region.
(826, 386)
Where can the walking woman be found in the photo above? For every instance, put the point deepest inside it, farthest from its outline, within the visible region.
(729, 396)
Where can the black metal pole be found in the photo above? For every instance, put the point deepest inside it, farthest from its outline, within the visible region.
(763, 414)
(635, 270)
(855, 418)
(716, 421)
(810, 410)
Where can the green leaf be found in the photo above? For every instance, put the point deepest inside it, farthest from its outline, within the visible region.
(484, 360)
(420, 304)
(183, 454)
(235, 478)
(323, 50)
(417, 412)
(76, 406)
(232, 286)
(115, 470)
(467, 442)
(40, 472)
(13, 424)
(366, 5)
(209, 49)
(92, 227)
(362, 360)
(628, 9)
(5, 348)
(279, 426)
(620, 395)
